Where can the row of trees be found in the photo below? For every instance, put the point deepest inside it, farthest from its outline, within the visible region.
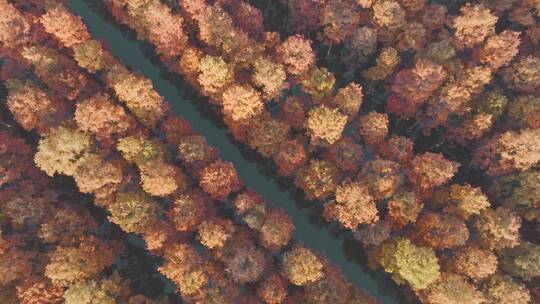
(440, 225)
(50, 249)
(149, 170)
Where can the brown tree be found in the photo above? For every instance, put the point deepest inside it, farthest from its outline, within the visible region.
(498, 228)
(32, 107)
(290, 157)
(104, 119)
(353, 206)
(219, 179)
(325, 125)
(440, 231)
(381, 177)
(317, 179)
(71, 264)
(473, 25)
(429, 170)
(301, 266)
(297, 55)
(509, 152)
(66, 27)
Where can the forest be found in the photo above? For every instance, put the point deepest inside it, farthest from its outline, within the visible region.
(269, 151)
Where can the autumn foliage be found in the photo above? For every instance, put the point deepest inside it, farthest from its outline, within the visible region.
(411, 128)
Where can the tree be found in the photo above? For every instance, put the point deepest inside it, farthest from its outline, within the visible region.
(453, 289)
(462, 200)
(472, 128)
(215, 232)
(184, 266)
(102, 118)
(109, 290)
(387, 60)
(408, 263)
(215, 75)
(348, 100)
(134, 212)
(429, 170)
(319, 83)
(14, 29)
(325, 125)
(252, 208)
(473, 25)
(519, 192)
(363, 42)
(139, 95)
(381, 177)
(195, 152)
(301, 266)
(403, 209)
(269, 77)
(353, 206)
(524, 112)
(15, 263)
(339, 19)
(67, 227)
(247, 17)
(62, 150)
(434, 16)
(175, 129)
(297, 55)
(189, 210)
(241, 103)
(502, 289)
(71, 264)
(91, 56)
(64, 26)
(523, 75)
(219, 179)
(474, 262)
(440, 231)
(374, 235)
(293, 111)
(509, 152)
(290, 157)
(140, 150)
(277, 230)
(267, 134)
(14, 158)
(388, 14)
(500, 49)
(498, 228)
(32, 108)
(413, 37)
(396, 148)
(59, 72)
(39, 289)
(332, 288)
(373, 127)
(413, 87)
(165, 29)
(317, 179)
(273, 289)
(346, 154)
(243, 260)
(275, 227)
(522, 261)
(161, 179)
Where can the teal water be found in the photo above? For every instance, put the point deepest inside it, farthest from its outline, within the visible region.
(338, 246)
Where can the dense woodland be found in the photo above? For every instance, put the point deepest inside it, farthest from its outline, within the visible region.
(414, 125)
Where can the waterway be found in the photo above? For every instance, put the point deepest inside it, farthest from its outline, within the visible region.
(337, 245)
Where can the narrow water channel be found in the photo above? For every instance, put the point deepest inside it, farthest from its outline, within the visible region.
(256, 173)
